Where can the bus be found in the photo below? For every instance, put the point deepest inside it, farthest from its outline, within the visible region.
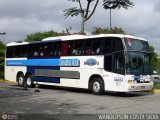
(105, 62)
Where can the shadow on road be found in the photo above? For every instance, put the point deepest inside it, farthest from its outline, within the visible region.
(84, 91)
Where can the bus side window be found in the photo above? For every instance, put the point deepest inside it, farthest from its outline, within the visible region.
(117, 44)
(58, 47)
(64, 48)
(88, 47)
(108, 63)
(118, 63)
(108, 46)
(23, 52)
(78, 47)
(113, 45)
(97, 47)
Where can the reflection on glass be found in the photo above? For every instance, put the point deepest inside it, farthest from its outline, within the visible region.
(134, 44)
(138, 63)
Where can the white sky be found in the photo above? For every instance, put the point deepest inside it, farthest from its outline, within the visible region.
(18, 18)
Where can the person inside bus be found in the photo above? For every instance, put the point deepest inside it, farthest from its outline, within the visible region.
(40, 51)
(98, 51)
(88, 51)
(35, 53)
(45, 50)
(74, 52)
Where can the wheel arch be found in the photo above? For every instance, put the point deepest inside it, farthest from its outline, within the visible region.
(18, 73)
(28, 73)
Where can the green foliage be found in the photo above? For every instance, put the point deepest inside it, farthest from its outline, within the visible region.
(115, 30)
(2, 56)
(74, 11)
(84, 13)
(154, 59)
(1, 74)
(157, 85)
(41, 35)
(158, 65)
(117, 4)
(2, 46)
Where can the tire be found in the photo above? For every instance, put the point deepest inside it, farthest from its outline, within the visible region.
(29, 81)
(20, 79)
(97, 86)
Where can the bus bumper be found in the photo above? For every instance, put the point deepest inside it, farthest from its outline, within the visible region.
(139, 87)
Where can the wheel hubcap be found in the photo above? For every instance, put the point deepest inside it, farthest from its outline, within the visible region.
(28, 81)
(21, 80)
(96, 86)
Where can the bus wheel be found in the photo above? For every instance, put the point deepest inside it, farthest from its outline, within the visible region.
(29, 80)
(97, 86)
(20, 79)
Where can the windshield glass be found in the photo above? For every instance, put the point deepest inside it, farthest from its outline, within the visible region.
(138, 63)
(135, 44)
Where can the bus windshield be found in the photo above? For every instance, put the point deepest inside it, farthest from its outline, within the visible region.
(138, 63)
(135, 44)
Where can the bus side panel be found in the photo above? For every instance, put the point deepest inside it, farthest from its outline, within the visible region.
(114, 82)
(85, 71)
(11, 72)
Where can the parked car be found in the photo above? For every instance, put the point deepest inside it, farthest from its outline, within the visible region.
(156, 75)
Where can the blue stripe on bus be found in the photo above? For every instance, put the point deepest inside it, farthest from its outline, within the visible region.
(47, 79)
(31, 69)
(44, 62)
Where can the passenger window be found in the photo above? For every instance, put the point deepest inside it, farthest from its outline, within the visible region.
(118, 66)
(97, 47)
(113, 45)
(88, 47)
(64, 48)
(108, 63)
(10, 52)
(78, 48)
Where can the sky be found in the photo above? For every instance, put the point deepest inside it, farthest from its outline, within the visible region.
(19, 18)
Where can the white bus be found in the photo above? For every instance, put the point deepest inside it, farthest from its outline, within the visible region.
(106, 62)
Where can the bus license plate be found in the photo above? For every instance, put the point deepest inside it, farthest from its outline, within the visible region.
(142, 87)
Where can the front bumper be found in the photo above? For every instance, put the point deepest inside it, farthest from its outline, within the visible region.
(139, 87)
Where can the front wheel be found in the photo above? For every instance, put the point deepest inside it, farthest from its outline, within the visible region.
(97, 86)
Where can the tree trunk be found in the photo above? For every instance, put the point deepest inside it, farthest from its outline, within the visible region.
(82, 26)
(110, 19)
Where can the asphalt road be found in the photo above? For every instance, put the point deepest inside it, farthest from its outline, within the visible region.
(58, 101)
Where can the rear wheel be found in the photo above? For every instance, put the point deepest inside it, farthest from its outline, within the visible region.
(29, 80)
(97, 86)
(20, 79)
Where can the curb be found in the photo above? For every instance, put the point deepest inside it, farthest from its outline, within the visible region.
(155, 91)
(7, 82)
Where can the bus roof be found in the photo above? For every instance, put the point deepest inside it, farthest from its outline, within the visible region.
(76, 37)
(16, 43)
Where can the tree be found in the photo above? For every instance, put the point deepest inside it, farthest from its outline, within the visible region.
(41, 35)
(115, 30)
(154, 59)
(2, 46)
(74, 11)
(158, 65)
(116, 4)
(2, 55)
